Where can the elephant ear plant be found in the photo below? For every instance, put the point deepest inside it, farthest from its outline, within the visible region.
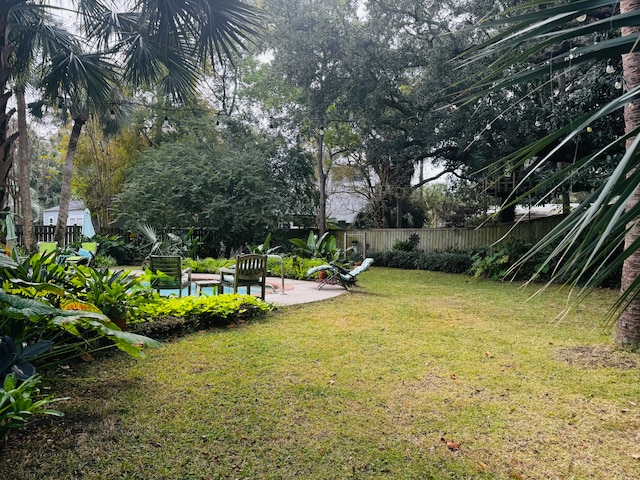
(67, 334)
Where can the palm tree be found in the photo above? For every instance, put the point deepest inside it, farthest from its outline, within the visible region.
(543, 40)
(40, 38)
(81, 84)
(155, 42)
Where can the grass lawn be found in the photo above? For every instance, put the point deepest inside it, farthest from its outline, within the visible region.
(366, 385)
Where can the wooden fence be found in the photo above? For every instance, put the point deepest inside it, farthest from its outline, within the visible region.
(440, 239)
(380, 240)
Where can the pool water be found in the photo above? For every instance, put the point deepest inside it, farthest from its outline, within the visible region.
(204, 291)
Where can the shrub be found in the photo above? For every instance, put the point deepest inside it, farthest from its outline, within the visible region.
(495, 265)
(403, 246)
(167, 316)
(448, 262)
(294, 267)
(207, 265)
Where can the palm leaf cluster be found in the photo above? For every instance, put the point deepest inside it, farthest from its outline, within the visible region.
(540, 40)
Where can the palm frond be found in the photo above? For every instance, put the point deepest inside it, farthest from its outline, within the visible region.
(588, 245)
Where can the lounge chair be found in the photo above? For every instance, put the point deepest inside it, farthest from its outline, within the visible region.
(85, 254)
(172, 275)
(338, 275)
(48, 250)
(249, 270)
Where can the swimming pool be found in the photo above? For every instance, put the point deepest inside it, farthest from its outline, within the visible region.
(209, 290)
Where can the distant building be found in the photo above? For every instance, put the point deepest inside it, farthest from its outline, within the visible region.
(76, 212)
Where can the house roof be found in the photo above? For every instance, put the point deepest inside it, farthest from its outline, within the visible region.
(73, 205)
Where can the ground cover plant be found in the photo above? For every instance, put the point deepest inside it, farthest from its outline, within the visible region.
(414, 374)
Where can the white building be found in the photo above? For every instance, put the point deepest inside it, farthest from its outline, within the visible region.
(76, 212)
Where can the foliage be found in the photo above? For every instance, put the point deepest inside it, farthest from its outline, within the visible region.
(115, 293)
(20, 401)
(324, 247)
(408, 245)
(294, 267)
(207, 265)
(13, 358)
(264, 248)
(588, 242)
(44, 301)
(100, 164)
(448, 262)
(173, 315)
(495, 265)
(224, 179)
(112, 247)
(71, 329)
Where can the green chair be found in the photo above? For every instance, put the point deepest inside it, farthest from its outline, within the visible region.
(172, 276)
(47, 249)
(86, 253)
(249, 270)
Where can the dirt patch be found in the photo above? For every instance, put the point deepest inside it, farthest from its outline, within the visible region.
(595, 356)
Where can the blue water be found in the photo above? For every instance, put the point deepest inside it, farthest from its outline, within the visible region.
(205, 291)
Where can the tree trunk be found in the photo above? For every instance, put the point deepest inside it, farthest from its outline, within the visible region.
(6, 140)
(321, 219)
(24, 172)
(628, 325)
(67, 176)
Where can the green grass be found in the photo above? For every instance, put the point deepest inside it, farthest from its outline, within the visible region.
(362, 386)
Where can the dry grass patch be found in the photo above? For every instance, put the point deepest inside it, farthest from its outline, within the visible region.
(363, 386)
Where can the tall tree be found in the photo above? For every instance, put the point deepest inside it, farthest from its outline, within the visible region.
(238, 183)
(38, 38)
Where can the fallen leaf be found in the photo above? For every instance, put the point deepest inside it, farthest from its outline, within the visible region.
(489, 354)
(454, 376)
(483, 467)
(636, 456)
(331, 382)
(451, 445)
(86, 357)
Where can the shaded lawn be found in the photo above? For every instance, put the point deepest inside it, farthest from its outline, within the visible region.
(363, 386)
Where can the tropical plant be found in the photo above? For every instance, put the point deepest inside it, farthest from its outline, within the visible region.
(19, 401)
(264, 248)
(71, 329)
(323, 246)
(114, 293)
(154, 244)
(13, 358)
(545, 38)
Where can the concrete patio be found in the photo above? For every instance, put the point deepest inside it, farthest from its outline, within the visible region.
(295, 291)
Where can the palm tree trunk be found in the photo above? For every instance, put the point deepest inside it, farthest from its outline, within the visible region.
(628, 325)
(6, 141)
(67, 176)
(24, 172)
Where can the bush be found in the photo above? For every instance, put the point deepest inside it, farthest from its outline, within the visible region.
(495, 265)
(294, 267)
(207, 265)
(168, 316)
(403, 246)
(448, 262)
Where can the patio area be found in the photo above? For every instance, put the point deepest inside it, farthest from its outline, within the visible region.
(295, 291)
